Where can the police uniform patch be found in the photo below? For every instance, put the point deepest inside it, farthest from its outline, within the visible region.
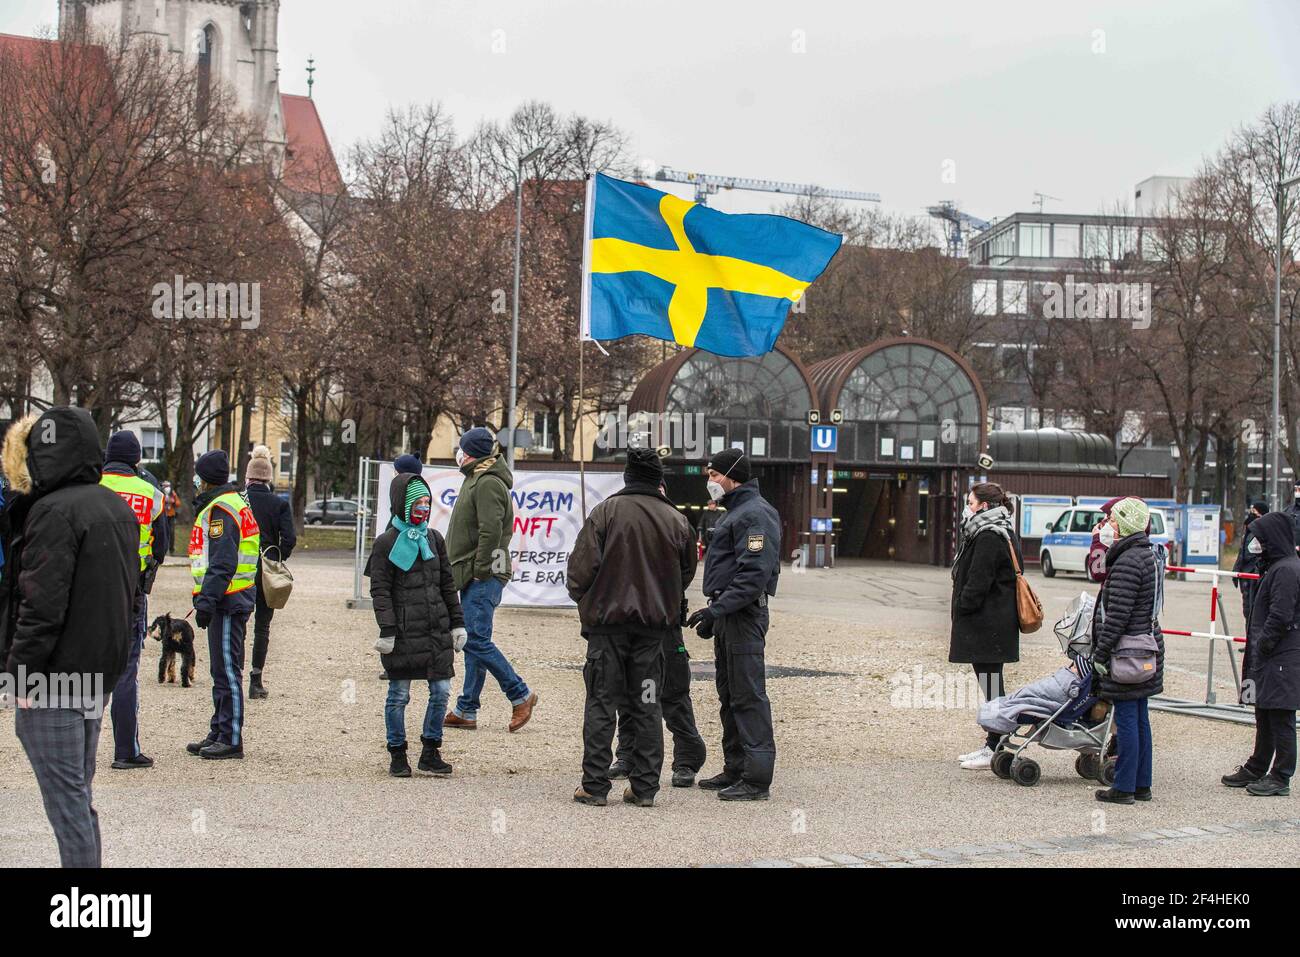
(756, 543)
(216, 528)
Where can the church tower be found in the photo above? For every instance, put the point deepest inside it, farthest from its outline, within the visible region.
(227, 42)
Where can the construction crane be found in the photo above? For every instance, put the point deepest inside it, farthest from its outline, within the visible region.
(706, 186)
(1040, 198)
(960, 226)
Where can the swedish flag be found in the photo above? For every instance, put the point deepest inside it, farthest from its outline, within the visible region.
(661, 266)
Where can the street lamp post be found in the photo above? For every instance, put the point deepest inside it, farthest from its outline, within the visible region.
(1275, 488)
(512, 412)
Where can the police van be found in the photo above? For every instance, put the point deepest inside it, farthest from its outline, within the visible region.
(1065, 546)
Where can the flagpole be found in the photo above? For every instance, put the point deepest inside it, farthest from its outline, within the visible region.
(582, 431)
(584, 332)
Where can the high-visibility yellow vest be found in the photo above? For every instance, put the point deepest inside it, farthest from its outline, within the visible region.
(233, 507)
(145, 501)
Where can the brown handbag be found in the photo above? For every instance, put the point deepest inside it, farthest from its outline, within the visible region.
(1029, 608)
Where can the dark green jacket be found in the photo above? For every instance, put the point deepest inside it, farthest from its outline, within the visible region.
(482, 522)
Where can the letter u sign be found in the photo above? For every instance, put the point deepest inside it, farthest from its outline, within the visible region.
(825, 438)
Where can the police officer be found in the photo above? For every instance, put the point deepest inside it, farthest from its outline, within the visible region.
(740, 574)
(223, 560)
(146, 500)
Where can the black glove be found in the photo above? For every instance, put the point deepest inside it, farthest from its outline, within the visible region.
(702, 621)
(203, 618)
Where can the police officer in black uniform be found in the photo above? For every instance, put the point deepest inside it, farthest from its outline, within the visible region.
(740, 574)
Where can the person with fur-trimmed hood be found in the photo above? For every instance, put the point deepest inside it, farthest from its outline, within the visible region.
(421, 625)
(73, 571)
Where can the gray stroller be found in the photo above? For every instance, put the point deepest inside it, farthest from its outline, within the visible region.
(1060, 712)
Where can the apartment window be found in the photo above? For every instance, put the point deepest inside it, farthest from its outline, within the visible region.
(1065, 241)
(1123, 242)
(984, 297)
(1096, 242)
(152, 445)
(286, 458)
(1153, 247)
(1015, 296)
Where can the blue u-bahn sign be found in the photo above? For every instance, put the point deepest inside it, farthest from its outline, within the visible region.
(825, 438)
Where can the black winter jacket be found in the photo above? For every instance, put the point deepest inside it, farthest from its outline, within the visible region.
(743, 562)
(223, 562)
(985, 622)
(631, 564)
(74, 562)
(1126, 606)
(418, 608)
(275, 520)
(1272, 666)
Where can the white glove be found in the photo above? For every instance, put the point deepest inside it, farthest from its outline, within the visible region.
(459, 637)
(385, 644)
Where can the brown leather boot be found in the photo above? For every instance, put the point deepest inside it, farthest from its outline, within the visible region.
(519, 717)
(453, 720)
(594, 800)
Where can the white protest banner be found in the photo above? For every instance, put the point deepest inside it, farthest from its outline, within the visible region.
(548, 517)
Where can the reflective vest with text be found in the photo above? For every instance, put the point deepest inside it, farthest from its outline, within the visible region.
(231, 504)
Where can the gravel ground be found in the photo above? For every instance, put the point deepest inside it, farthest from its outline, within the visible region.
(858, 768)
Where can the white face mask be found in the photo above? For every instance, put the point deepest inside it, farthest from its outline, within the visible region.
(967, 514)
(716, 491)
(1107, 535)
(1256, 547)
(460, 458)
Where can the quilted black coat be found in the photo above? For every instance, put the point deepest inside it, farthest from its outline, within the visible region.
(1272, 665)
(418, 607)
(1126, 606)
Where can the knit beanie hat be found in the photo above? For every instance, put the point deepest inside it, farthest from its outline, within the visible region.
(408, 464)
(477, 443)
(213, 467)
(259, 468)
(1131, 516)
(415, 489)
(732, 463)
(644, 467)
(123, 447)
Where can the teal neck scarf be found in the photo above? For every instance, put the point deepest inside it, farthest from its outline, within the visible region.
(412, 542)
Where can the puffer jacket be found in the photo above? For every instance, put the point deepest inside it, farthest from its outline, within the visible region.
(74, 562)
(1272, 665)
(631, 564)
(419, 607)
(1126, 606)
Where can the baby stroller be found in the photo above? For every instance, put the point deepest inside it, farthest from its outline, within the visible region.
(1059, 713)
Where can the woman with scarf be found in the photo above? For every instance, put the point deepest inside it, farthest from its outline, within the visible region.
(421, 625)
(985, 622)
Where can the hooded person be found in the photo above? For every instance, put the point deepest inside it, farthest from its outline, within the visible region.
(1250, 560)
(123, 477)
(73, 569)
(628, 571)
(275, 523)
(1271, 669)
(223, 563)
(421, 624)
(1128, 646)
(478, 542)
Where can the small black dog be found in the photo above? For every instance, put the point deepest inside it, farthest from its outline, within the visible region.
(176, 637)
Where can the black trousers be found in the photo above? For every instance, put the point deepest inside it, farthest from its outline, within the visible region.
(748, 742)
(623, 671)
(1275, 743)
(991, 686)
(689, 752)
(262, 615)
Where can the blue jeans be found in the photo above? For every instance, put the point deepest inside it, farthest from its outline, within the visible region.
(399, 695)
(1133, 727)
(479, 601)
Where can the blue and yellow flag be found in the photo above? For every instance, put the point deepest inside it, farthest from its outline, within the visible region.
(661, 266)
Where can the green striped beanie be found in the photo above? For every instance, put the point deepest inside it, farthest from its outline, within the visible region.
(415, 489)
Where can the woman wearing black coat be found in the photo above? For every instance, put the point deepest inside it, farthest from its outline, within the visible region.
(1128, 606)
(1271, 669)
(985, 620)
(421, 625)
(1250, 560)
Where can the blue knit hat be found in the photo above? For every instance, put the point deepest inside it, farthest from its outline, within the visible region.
(213, 467)
(408, 464)
(478, 443)
(123, 447)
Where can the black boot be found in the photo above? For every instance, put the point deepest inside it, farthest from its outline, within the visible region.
(431, 761)
(1240, 777)
(1111, 796)
(618, 771)
(718, 782)
(256, 689)
(399, 767)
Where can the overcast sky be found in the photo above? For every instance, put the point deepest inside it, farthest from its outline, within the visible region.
(1080, 101)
